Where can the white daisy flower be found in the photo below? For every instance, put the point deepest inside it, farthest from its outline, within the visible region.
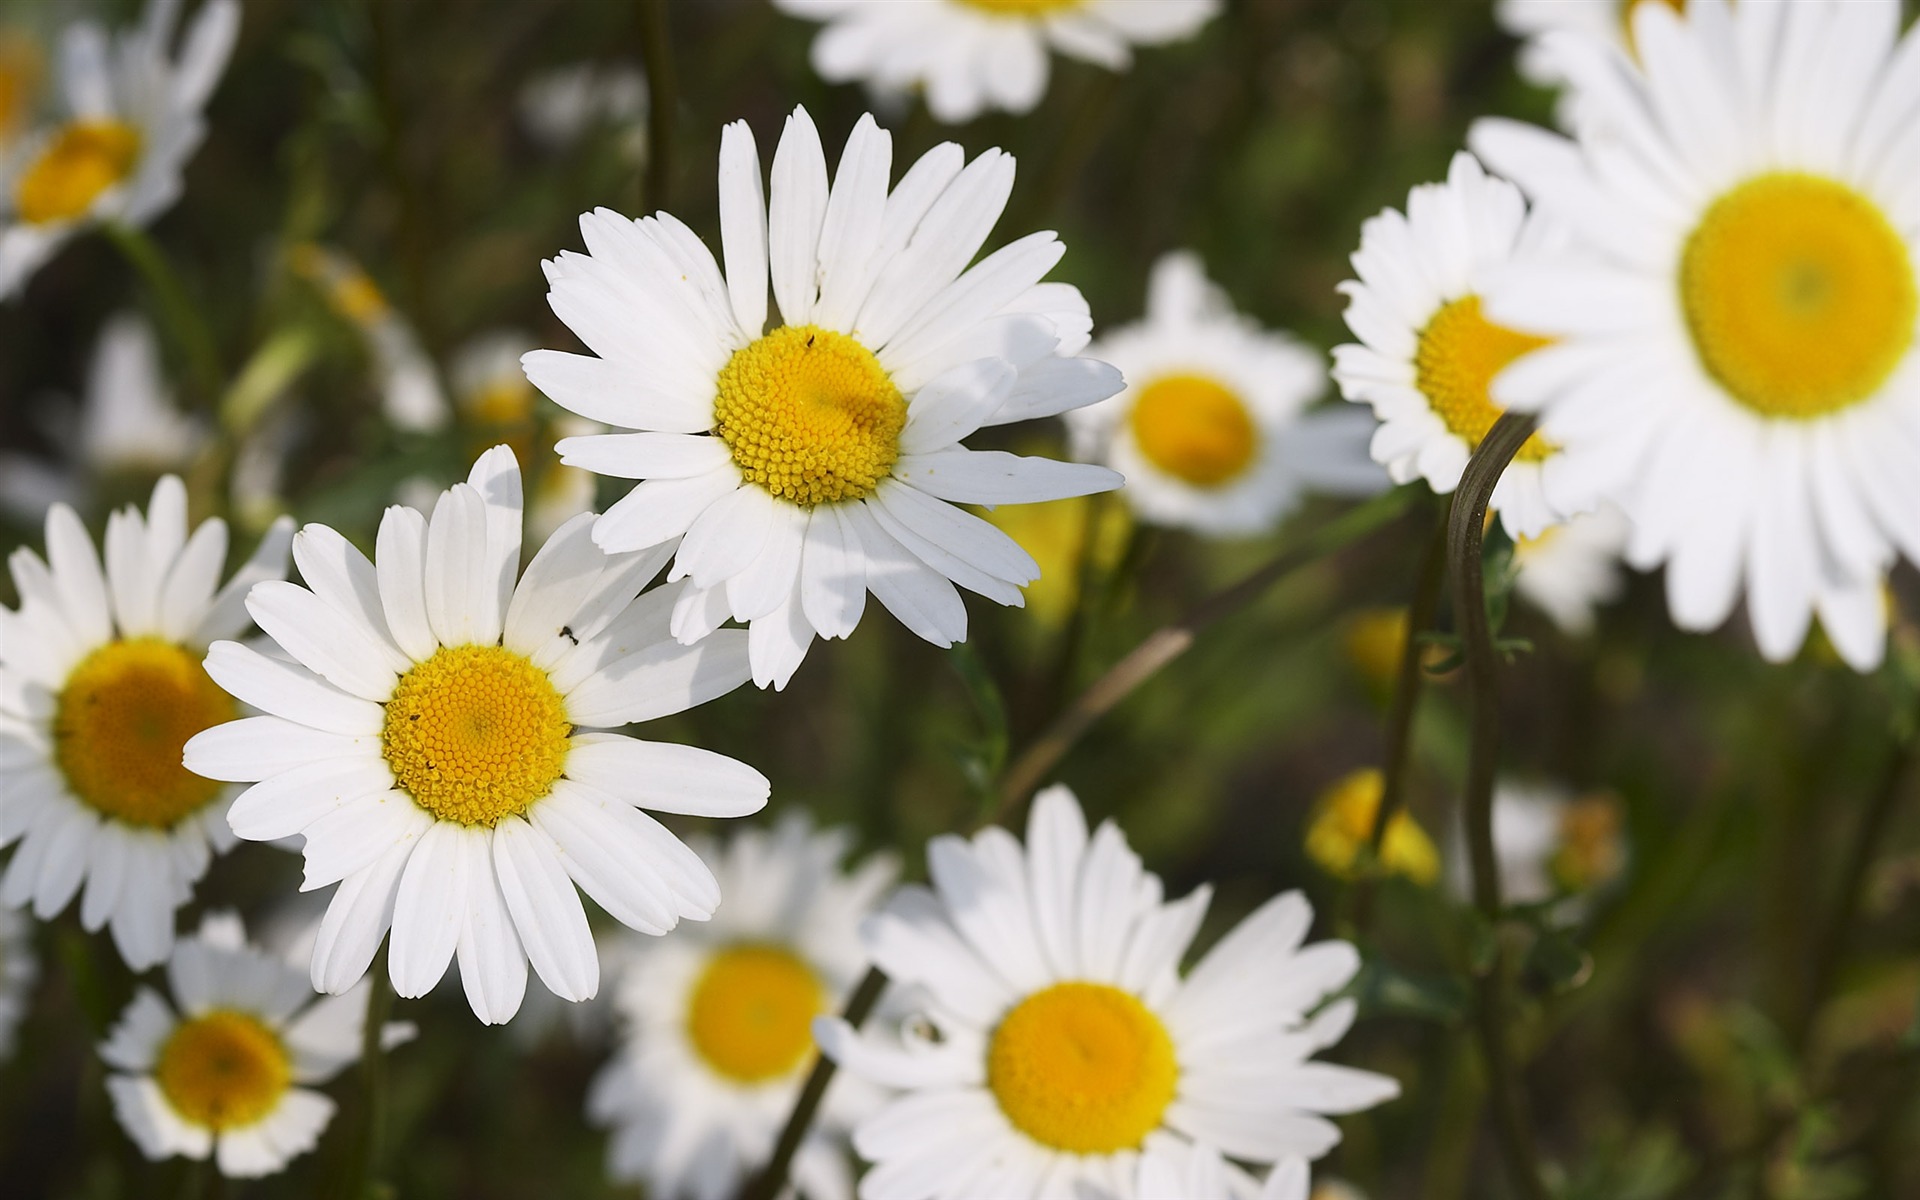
(1061, 1037)
(1736, 361)
(1568, 570)
(100, 687)
(227, 1068)
(557, 107)
(1211, 431)
(19, 970)
(1427, 352)
(1549, 843)
(1175, 1170)
(718, 1022)
(436, 738)
(410, 392)
(969, 56)
(127, 422)
(812, 463)
(134, 119)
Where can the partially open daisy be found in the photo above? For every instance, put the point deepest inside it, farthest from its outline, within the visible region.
(1174, 1170)
(435, 739)
(133, 120)
(1058, 1035)
(1550, 843)
(1427, 350)
(1570, 569)
(718, 1022)
(100, 687)
(18, 971)
(227, 1069)
(808, 464)
(1737, 363)
(969, 56)
(1211, 431)
(1340, 832)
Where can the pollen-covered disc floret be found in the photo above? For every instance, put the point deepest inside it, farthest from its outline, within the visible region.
(476, 734)
(1054, 1035)
(716, 1022)
(136, 118)
(809, 415)
(226, 1066)
(1212, 430)
(965, 57)
(1731, 300)
(1428, 352)
(795, 469)
(439, 742)
(101, 687)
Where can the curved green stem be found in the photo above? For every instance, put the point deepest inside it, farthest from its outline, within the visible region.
(1466, 531)
(656, 52)
(179, 315)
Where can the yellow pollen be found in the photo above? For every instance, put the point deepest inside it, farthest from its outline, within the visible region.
(1023, 8)
(1340, 833)
(223, 1070)
(810, 415)
(1460, 352)
(751, 1014)
(1195, 429)
(1799, 295)
(1592, 847)
(476, 734)
(1082, 1067)
(83, 160)
(122, 718)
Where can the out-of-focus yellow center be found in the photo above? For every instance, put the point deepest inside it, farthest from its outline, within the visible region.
(20, 69)
(1024, 8)
(810, 415)
(1082, 1067)
(476, 734)
(1340, 833)
(121, 720)
(83, 160)
(1195, 429)
(1062, 535)
(223, 1070)
(1460, 352)
(1592, 849)
(751, 1014)
(1799, 294)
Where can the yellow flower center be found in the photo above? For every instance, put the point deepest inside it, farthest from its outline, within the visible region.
(223, 1070)
(1023, 8)
(83, 160)
(751, 1015)
(810, 415)
(1340, 833)
(1195, 429)
(1460, 352)
(1082, 1067)
(1799, 295)
(1591, 851)
(122, 718)
(476, 734)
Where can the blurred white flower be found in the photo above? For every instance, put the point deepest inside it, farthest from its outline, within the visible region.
(410, 392)
(1212, 431)
(1568, 570)
(19, 970)
(968, 56)
(557, 107)
(133, 119)
(1550, 843)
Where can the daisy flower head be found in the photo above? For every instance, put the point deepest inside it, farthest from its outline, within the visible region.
(436, 731)
(1211, 431)
(1734, 322)
(228, 1068)
(1057, 1036)
(1427, 350)
(1550, 843)
(1173, 1170)
(18, 971)
(1570, 569)
(970, 56)
(134, 117)
(100, 687)
(806, 465)
(718, 1022)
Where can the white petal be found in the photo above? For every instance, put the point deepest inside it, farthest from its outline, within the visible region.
(427, 916)
(667, 777)
(546, 910)
(289, 690)
(400, 565)
(493, 967)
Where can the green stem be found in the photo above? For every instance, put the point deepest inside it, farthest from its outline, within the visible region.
(1466, 531)
(656, 52)
(773, 1177)
(364, 1180)
(181, 317)
(1170, 641)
